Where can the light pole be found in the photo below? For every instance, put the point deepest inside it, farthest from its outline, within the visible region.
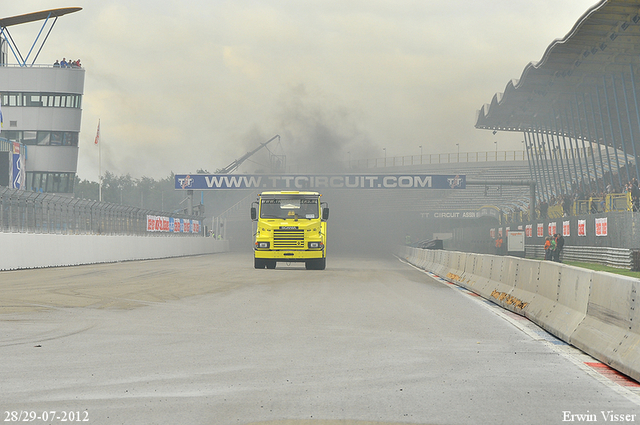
(458, 145)
(496, 143)
(420, 154)
(385, 156)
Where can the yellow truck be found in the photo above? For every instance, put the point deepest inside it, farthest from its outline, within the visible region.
(292, 227)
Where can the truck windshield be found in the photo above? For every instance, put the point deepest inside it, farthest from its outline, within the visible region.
(295, 208)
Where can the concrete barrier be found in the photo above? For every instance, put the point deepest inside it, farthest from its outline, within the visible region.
(597, 312)
(573, 297)
(32, 250)
(483, 268)
(543, 294)
(609, 330)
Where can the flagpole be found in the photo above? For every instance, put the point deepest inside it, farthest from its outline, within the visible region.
(97, 142)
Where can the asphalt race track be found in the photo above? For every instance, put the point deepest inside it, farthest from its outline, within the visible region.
(211, 340)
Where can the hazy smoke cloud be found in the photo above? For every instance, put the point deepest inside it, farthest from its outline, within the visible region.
(320, 137)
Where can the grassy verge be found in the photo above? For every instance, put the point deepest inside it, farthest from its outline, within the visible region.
(601, 268)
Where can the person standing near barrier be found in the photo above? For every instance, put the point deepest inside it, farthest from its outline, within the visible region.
(547, 248)
(559, 246)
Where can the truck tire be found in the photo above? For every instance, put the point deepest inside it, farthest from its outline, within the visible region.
(271, 264)
(259, 263)
(316, 264)
(322, 263)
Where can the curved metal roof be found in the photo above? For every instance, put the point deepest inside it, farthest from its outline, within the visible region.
(581, 81)
(37, 16)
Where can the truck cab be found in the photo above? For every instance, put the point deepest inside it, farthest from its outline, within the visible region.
(291, 227)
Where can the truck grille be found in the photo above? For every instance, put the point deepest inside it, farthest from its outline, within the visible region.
(288, 239)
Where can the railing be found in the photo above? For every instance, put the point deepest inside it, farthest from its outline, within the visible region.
(614, 202)
(436, 158)
(441, 158)
(35, 65)
(32, 212)
(615, 257)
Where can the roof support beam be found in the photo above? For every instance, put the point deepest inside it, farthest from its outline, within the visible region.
(613, 140)
(624, 147)
(631, 138)
(604, 137)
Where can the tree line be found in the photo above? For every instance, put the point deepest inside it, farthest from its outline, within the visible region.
(158, 195)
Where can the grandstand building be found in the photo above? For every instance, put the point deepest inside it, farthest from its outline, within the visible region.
(41, 108)
(578, 107)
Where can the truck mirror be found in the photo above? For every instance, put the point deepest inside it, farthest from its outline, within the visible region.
(325, 213)
(254, 214)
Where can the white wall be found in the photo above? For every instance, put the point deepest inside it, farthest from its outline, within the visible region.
(29, 250)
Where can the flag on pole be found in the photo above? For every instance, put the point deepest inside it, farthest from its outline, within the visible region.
(97, 133)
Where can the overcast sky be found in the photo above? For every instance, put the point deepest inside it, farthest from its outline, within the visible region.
(186, 85)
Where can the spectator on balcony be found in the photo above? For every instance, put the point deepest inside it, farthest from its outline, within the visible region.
(544, 208)
(566, 205)
(64, 63)
(635, 194)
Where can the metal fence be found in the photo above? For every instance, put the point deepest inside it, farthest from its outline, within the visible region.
(411, 160)
(615, 257)
(33, 212)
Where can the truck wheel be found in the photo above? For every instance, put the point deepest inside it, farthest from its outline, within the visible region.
(258, 263)
(271, 264)
(322, 263)
(316, 264)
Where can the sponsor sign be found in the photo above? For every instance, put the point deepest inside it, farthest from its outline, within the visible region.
(492, 233)
(566, 228)
(329, 181)
(582, 227)
(529, 230)
(17, 167)
(601, 226)
(175, 225)
(482, 212)
(540, 230)
(551, 229)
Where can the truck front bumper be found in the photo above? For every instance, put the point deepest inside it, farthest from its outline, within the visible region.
(289, 255)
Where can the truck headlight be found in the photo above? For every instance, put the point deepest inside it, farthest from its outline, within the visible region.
(315, 245)
(262, 245)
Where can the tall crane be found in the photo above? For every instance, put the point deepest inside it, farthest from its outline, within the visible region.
(226, 170)
(235, 164)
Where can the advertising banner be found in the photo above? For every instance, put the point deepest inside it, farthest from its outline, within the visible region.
(582, 227)
(17, 174)
(601, 226)
(552, 229)
(482, 212)
(315, 182)
(566, 228)
(529, 230)
(540, 230)
(175, 225)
